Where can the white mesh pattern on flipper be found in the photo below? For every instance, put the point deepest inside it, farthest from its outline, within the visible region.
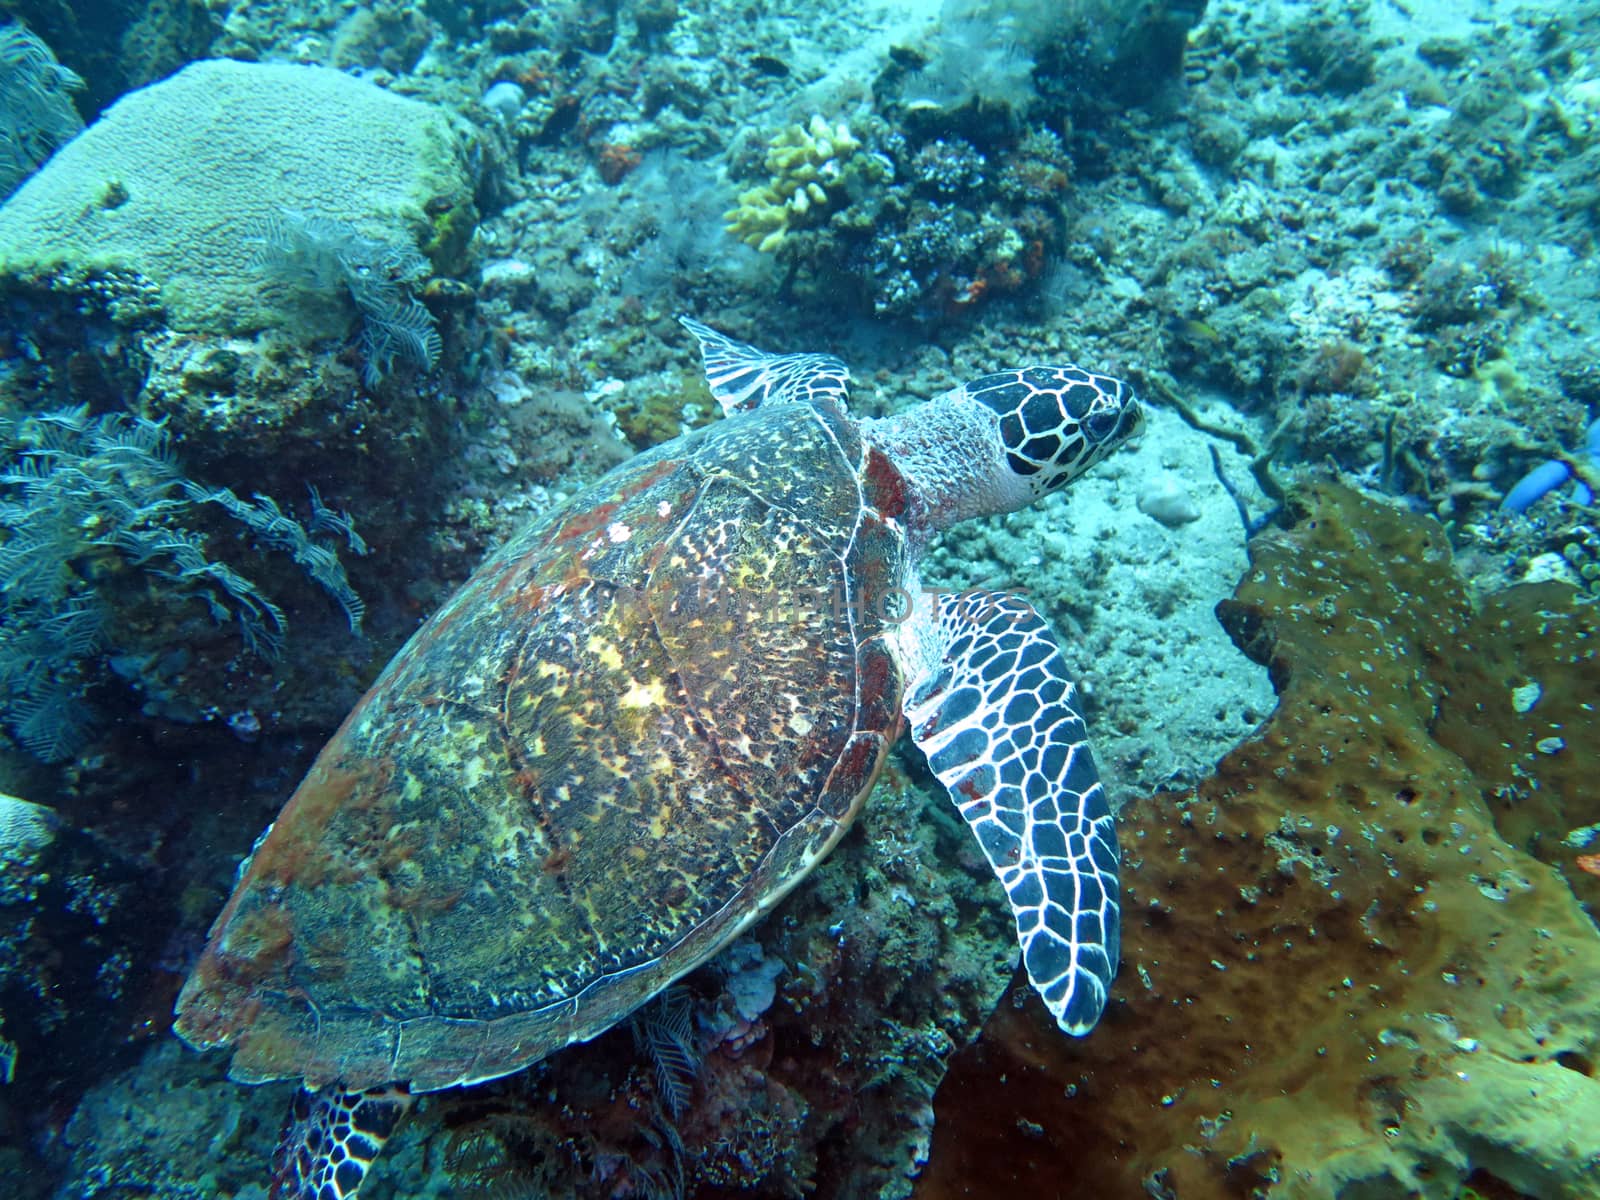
(742, 377)
(331, 1139)
(998, 719)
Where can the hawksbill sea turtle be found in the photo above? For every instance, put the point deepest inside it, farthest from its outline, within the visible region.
(641, 723)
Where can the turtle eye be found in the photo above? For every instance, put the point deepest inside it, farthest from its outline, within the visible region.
(1100, 426)
(1057, 420)
(1119, 416)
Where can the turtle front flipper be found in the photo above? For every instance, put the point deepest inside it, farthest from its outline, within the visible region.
(331, 1139)
(991, 706)
(742, 377)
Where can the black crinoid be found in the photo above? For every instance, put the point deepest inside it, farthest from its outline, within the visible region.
(36, 112)
(88, 506)
(664, 1029)
(322, 254)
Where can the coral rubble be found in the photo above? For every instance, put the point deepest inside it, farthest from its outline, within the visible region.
(1344, 973)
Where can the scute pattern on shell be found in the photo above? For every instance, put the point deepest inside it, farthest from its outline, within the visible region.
(625, 738)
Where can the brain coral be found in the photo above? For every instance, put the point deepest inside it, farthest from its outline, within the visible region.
(176, 183)
(1357, 961)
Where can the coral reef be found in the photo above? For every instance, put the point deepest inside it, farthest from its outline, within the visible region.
(82, 927)
(138, 1131)
(25, 830)
(1357, 959)
(120, 46)
(129, 284)
(1437, 365)
(974, 60)
(1359, 236)
(1005, 57)
(132, 286)
(1580, 550)
(84, 503)
(666, 225)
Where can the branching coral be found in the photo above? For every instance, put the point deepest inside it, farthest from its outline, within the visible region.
(1344, 973)
(807, 163)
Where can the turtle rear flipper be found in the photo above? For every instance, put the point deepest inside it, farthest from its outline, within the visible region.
(992, 708)
(331, 1139)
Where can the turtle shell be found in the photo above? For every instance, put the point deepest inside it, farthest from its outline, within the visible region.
(627, 735)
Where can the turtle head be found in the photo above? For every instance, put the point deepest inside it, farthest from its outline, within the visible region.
(1001, 442)
(1057, 421)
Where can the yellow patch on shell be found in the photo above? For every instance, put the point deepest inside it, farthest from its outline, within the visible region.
(604, 650)
(651, 694)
